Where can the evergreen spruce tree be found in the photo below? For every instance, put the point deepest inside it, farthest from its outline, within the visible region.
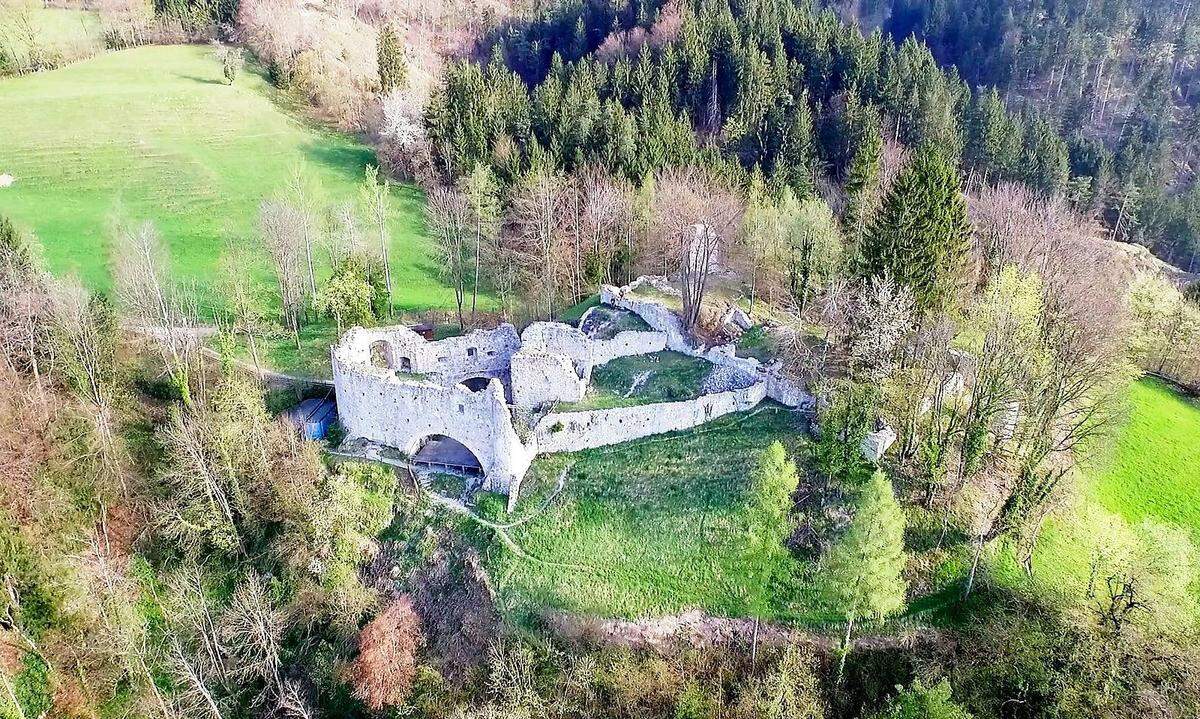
(393, 69)
(1045, 162)
(15, 253)
(989, 145)
(920, 235)
(864, 567)
(862, 182)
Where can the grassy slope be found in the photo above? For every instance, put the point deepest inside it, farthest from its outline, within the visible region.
(1152, 471)
(654, 527)
(58, 29)
(1155, 470)
(152, 133)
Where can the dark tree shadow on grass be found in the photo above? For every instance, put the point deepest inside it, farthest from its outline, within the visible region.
(197, 78)
(347, 158)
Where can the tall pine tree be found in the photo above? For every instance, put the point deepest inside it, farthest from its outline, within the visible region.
(864, 567)
(393, 69)
(921, 234)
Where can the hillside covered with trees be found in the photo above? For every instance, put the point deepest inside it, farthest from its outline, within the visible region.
(985, 507)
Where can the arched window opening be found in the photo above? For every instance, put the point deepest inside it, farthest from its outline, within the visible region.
(477, 384)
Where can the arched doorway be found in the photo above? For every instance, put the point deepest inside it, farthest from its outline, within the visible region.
(439, 452)
(477, 384)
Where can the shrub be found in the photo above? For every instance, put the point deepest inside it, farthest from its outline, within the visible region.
(922, 702)
(386, 665)
(232, 60)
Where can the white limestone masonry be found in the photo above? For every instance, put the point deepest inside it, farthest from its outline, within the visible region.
(396, 389)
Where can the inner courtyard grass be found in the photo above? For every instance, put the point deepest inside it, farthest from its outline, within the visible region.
(657, 526)
(640, 379)
(153, 133)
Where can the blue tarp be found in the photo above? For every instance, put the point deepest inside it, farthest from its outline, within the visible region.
(313, 417)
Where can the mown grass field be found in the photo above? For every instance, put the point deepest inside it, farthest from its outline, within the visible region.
(1148, 470)
(56, 31)
(657, 526)
(154, 134)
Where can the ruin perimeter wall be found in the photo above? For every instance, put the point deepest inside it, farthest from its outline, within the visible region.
(573, 431)
(779, 387)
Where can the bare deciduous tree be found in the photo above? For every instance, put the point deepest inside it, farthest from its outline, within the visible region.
(695, 220)
(243, 297)
(376, 194)
(536, 238)
(447, 215)
(167, 315)
(282, 230)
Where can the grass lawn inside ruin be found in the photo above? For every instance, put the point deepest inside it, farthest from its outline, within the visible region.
(657, 526)
(642, 379)
(153, 133)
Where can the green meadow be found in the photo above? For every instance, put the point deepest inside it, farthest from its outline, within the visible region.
(656, 526)
(153, 133)
(1147, 470)
(659, 525)
(58, 32)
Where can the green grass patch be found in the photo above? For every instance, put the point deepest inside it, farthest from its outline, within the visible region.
(154, 134)
(56, 34)
(657, 526)
(647, 291)
(1154, 470)
(575, 312)
(1148, 469)
(643, 379)
(757, 343)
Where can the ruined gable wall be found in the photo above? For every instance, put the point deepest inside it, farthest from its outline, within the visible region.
(573, 431)
(538, 378)
(557, 338)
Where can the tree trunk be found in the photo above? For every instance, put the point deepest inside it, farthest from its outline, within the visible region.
(387, 265)
(974, 567)
(845, 649)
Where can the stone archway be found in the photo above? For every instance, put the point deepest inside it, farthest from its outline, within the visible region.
(476, 384)
(438, 451)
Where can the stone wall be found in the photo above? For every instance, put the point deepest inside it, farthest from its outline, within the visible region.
(557, 338)
(653, 313)
(376, 404)
(481, 352)
(538, 377)
(627, 343)
(573, 431)
(784, 390)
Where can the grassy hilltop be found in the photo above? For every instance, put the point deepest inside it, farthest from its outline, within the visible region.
(153, 134)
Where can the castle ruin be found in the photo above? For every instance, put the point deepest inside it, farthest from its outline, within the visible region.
(486, 403)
